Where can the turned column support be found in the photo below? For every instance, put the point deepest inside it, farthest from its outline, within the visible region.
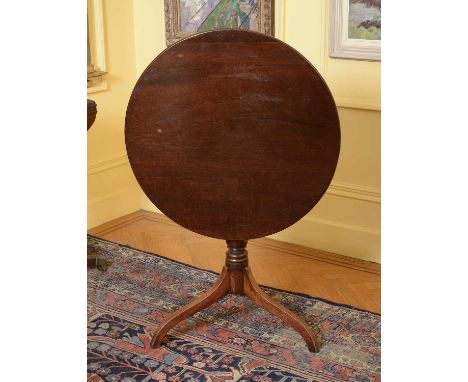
(236, 263)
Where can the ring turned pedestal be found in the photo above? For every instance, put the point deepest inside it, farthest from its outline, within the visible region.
(234, 135)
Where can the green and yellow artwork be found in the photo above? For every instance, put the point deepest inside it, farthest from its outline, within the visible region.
(206, 15)
(364, 19)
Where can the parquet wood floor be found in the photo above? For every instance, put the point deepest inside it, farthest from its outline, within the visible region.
(273, 263)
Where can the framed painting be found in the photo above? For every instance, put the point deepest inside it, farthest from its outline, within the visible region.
(355, 28)
(186, 17)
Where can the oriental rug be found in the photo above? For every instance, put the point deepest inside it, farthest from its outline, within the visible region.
(232, 340)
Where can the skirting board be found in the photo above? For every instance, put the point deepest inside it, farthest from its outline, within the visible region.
(112, 206)
(112, 190)
(289, 248)
(348, 240)
(326, 235)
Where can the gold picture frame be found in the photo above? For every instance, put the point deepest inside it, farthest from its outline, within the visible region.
(172, 9)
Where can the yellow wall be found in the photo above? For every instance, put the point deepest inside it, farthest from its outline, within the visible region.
(112, 188)
(347, 219)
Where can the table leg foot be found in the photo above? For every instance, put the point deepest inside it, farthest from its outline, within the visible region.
(253, 291)
(219, 289)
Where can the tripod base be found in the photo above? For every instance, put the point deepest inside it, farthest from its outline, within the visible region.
(236, 278)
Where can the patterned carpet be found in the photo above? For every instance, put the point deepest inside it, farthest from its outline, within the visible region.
(231, 341)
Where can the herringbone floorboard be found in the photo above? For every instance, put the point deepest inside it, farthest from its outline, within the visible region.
(280, 265)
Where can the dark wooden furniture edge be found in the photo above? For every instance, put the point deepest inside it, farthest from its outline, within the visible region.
(91, 112)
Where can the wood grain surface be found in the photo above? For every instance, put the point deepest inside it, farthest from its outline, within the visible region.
(232, 134)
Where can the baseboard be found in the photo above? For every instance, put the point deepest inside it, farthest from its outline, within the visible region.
(294, 249)
(346, 239)
(324, 256)
(111, 206)
(116, 223)
(290, 247)
(350, 240)
(112, 190)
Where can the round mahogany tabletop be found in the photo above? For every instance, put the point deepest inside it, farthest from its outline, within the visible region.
(232, 134)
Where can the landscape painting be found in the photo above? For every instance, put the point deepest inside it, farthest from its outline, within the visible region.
(355, 29)
(206, 15)
(364, 19)
(186, 17)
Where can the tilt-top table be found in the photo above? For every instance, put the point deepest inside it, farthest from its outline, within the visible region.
(234, 135)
